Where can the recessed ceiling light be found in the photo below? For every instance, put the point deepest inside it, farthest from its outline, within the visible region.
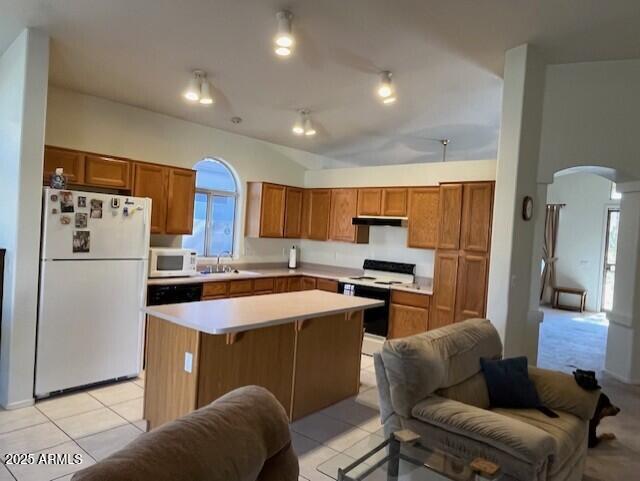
(284, 41)
(386, 90)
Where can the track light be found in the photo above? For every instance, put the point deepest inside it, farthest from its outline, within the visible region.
(205, 93)
(309, 131)
(283, 41)
(298, 127)
(303, 125)
(199, 89)
(386, 89)
(192, 93)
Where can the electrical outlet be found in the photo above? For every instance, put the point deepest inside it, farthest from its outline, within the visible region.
(188, 362)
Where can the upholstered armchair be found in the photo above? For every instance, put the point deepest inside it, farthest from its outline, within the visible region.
(432, 384)
(242, 436)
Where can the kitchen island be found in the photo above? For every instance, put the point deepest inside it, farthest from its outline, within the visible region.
(302, 346)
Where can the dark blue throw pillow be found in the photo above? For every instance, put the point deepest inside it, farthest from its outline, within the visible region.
(509, 384)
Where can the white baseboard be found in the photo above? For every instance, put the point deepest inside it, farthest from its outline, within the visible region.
(623, 379)
(20, 404)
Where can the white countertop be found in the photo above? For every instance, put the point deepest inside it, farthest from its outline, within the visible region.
(422, 285)
(239, 314)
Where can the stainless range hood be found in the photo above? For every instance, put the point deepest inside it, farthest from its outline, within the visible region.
(380, 220)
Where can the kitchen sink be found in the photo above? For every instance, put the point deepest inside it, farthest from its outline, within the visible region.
(234, 272)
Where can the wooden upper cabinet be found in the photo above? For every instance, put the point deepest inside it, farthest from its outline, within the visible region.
(305, 216)
(107, 172)
(265, 212)
(450, 216)
(319, 212)
(406, 321)
(444, 289)
(344, 204)
(150, 180)
(476, 216)
(394, 202)
(471, 288)
(272, 211)
(293, 213)
(369, 201)
(423, 217)
(71, 161)
(181, 190)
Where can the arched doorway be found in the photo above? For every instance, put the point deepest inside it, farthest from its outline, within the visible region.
(578, 267)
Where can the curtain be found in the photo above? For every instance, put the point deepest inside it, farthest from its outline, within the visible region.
(551, 222)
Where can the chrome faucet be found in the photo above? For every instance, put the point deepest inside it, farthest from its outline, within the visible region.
(222, 254)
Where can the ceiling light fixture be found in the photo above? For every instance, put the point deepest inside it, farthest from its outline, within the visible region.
(386, 89)
(192, 93)
(283, 41)
(199, 89)
(205, 93)
(303, 125)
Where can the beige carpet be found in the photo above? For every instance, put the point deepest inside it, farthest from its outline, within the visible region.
(568, 339)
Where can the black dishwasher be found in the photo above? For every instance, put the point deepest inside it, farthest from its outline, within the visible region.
(173, 294)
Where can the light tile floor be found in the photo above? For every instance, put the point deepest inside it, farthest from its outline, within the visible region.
(98, 422)
(91, 424)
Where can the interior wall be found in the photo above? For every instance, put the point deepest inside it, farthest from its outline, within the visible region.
(387, 243)
(582, 232)
(591, 117)
(23, 90)
(84, 122)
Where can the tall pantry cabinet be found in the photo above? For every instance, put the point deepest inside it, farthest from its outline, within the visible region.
(462, 254)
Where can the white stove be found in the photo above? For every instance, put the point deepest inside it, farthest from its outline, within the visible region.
(383, 274)
(381, 279)
(375, 283)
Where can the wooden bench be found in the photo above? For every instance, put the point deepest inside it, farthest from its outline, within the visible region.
(569, 290)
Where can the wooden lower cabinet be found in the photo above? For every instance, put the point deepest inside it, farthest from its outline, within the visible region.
(241, 288)
(294, 284)
(308, 283)
(444, 288)
(328, 285)
(406, 321)
(263, 285)
(215, 290)
(408, 314)
(308, 365)
(281, 284)
(471, 286)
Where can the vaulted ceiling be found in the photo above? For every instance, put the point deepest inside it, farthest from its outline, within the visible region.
(446, 56)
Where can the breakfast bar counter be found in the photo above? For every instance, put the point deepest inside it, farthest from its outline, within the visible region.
(302, 346)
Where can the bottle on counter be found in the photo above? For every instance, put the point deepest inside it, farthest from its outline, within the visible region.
(293, 258)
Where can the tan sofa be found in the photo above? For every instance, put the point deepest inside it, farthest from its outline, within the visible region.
(432, 384)
(242, 436)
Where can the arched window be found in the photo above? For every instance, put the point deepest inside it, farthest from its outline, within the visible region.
(214, 212)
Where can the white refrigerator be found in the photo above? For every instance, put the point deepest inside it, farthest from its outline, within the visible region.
(93, 272)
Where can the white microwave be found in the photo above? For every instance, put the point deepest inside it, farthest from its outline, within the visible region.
(172, 262)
